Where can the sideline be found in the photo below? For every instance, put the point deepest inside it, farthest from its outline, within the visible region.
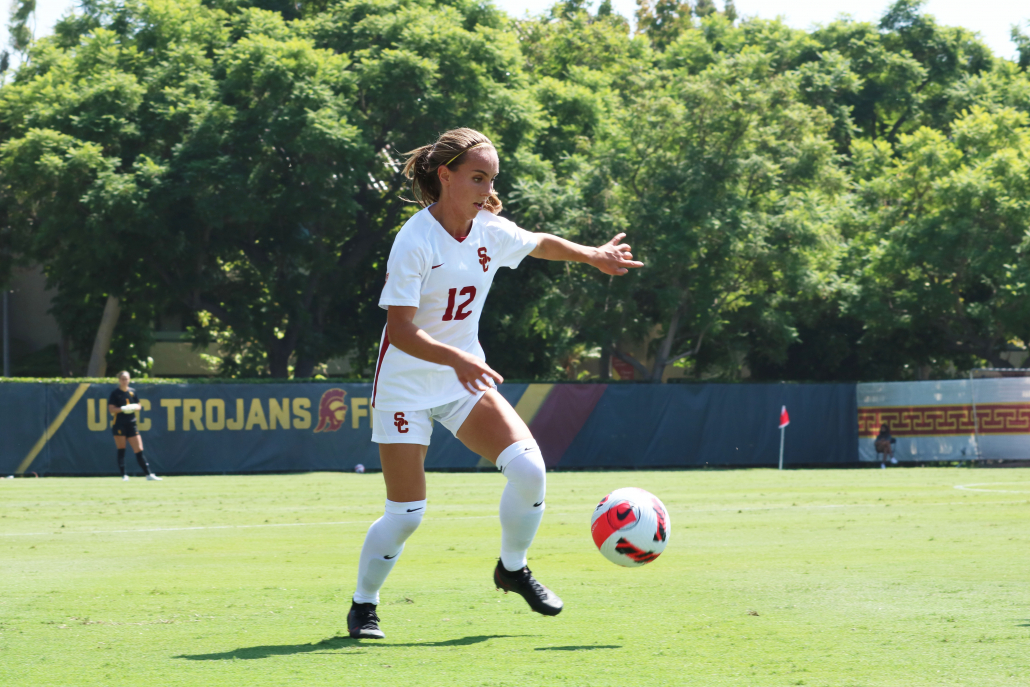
(969, 487)
(728, 509)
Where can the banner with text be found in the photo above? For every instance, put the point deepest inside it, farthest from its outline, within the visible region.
(242, 428)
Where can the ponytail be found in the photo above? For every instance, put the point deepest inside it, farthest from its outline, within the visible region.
(448, 151)
(425, 184)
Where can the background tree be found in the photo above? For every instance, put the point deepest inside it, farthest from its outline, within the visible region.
(251, 159)
(663, 20)
(944, 266)
(1022, 42)
(828, 204)
(721, 179)
(73, 186)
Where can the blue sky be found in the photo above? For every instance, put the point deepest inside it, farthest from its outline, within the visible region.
(992, 19)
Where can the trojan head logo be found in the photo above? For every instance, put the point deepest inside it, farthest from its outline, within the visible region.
(332, 411)
(484, 259)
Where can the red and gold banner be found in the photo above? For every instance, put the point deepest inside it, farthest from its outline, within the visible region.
(947, 420)
(995, 418)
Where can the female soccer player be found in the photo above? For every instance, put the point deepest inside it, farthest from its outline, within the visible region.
(123, 404)
(431, 366)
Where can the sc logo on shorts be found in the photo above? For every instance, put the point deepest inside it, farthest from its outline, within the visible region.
(400, 422)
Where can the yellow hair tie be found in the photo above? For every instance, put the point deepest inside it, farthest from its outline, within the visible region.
(483, 143)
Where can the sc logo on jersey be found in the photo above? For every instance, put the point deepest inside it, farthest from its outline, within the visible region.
(400, 422)
(484, 259)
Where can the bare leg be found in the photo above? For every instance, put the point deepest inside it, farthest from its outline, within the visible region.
(492, 426)
(404, 471)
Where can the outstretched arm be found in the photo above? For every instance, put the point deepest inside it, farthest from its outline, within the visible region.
(611, 258)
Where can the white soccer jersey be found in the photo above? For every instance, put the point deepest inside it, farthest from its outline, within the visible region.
(447, 280)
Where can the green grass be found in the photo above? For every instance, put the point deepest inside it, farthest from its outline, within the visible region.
(831, 577)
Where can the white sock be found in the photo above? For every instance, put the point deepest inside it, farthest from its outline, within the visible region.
(383, 545)
(522, 503)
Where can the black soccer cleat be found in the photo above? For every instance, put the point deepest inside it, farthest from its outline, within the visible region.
(540, 598)
(363, 623)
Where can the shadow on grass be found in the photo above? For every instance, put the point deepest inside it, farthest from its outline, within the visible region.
(252, 652)
(1026, 624)
(582, 647)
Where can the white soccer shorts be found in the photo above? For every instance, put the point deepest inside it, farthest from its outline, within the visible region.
(416, 426)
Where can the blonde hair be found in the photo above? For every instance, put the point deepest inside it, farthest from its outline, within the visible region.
(123, 373)
(448, 151)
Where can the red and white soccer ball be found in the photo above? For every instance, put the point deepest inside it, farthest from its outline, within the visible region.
(630, 527)
(359, 468)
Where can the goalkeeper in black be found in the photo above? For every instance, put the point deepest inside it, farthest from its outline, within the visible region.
(124, 404)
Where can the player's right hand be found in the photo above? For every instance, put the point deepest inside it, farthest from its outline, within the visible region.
(614, 257)
(474, 374)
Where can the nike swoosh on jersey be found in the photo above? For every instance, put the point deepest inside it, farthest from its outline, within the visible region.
(536, 505)
(390, 557)
(435, 266)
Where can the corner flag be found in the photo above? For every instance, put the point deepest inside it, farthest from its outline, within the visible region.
(784, 421)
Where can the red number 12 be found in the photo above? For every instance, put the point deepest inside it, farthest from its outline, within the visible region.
(462, 313)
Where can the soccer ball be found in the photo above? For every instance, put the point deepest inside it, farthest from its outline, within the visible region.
(630, 527)
(359, 468)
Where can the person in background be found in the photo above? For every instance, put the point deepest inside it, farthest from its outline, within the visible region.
(124, 404)
(884, 445)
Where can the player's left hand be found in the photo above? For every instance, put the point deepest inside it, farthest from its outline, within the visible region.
(614, 257)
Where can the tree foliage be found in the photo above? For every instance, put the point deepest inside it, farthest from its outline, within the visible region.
(840, 203)
(243, 165)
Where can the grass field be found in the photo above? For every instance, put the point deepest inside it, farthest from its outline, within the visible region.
(830, 577)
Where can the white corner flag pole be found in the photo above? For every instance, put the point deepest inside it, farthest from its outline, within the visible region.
(784, 421)
(783, 430)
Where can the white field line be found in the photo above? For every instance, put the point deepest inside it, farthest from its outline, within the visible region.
(480, 517)
(217, 527)
(970, 487)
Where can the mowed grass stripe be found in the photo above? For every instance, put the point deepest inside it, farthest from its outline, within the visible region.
(444, 517)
